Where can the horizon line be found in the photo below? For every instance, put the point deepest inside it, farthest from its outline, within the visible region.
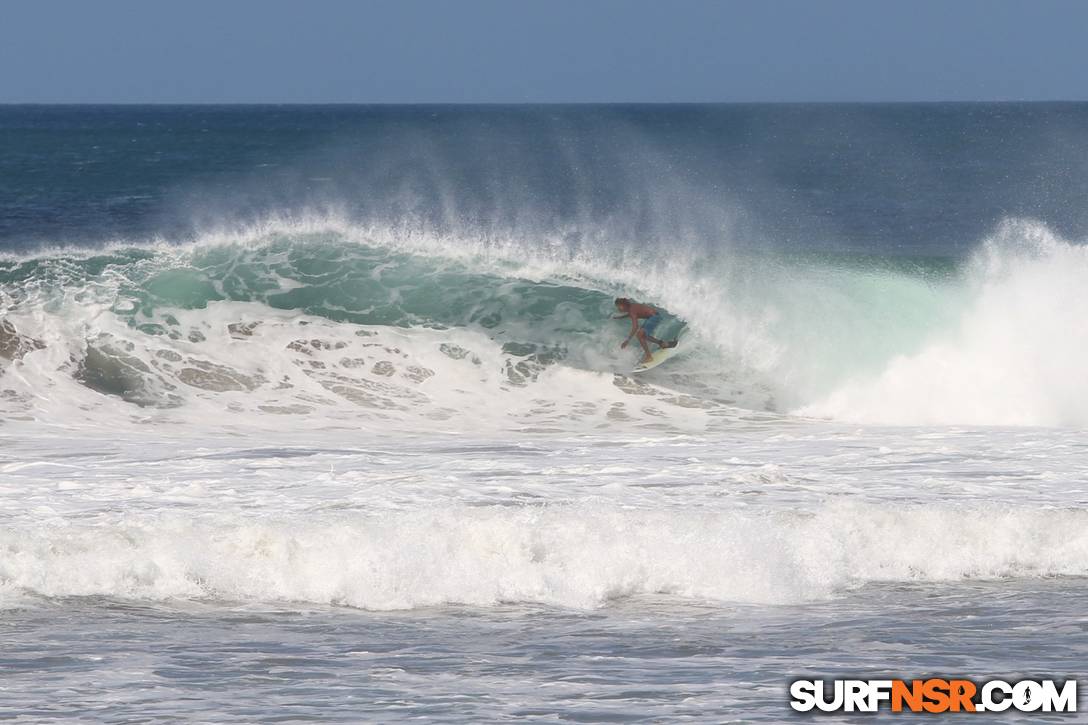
(545, 103)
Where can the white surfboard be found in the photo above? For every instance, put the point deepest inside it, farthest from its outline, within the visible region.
(659, 355)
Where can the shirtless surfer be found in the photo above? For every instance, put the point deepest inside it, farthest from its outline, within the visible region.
(638, 311)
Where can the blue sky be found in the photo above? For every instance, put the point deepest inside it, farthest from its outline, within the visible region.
(559, 51)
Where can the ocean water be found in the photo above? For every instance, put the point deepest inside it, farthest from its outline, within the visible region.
(318, 413)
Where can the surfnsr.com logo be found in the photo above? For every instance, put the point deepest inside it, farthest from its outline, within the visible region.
(933, 695)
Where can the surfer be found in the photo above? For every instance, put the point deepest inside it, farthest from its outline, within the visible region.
(637, 311)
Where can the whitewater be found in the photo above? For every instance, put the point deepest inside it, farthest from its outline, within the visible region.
(379, 445)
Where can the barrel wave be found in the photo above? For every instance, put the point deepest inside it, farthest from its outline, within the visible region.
(322, 317)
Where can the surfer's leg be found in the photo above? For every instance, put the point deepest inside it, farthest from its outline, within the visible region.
(645, 347)
(661, 343)
(650, 326)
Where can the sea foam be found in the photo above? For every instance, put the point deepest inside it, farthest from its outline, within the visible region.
(579, 556)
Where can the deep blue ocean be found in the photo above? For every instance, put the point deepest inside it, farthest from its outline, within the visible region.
(906, 179)
(320, 412)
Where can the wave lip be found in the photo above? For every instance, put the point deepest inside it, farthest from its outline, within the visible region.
(578, 556)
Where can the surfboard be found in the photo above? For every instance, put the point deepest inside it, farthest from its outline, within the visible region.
(660, 355)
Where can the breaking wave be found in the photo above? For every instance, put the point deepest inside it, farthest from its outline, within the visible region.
(326, 319)
(579, 556)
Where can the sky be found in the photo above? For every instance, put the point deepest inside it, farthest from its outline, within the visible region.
(510, 51)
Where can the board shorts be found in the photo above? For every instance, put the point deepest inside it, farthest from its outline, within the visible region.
(652, 322)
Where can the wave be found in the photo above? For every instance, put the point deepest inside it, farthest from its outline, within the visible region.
(320, 317)
(580, 556)
(1014, 356)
